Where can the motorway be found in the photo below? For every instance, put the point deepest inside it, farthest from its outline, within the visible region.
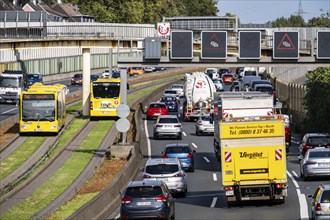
(206, 199)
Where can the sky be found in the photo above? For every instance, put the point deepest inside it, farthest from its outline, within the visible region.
(262, 11)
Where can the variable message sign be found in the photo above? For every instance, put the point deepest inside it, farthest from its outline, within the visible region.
(214, 45)
(286, 45)
(181, 45)
(323, 44)
(249, 45)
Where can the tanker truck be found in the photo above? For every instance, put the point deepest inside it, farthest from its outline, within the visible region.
(199, 89)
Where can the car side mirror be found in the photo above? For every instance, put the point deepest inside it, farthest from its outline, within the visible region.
(194, 151)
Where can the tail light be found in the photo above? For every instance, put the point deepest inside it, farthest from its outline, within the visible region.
(307, 147)
(145, 176)
(328, 146)
(164, 156)
(91, 105)
(175, 103)
(161, 199)
(126, 200)
(159, 126)
(273, 94)
(280, 186)
(318, 207)
(190, 155)
(311, 163)
(179, 175)
(200, 123)
(228, 188)
(177, 126)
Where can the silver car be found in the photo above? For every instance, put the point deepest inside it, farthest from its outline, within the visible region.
(315, 163)
(179, 88)
(167, 125)
(219, 84)
(321, 202)
(168, 170)
(204, 125)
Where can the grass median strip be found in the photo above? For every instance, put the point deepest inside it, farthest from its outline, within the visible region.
(71, 169)
(20, 155)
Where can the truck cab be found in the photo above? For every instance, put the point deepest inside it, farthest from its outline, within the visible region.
(11, 86)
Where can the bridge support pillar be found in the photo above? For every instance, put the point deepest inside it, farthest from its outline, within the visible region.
(86, 80)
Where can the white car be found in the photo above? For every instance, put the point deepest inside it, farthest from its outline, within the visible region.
(219, 84)
(179, 88)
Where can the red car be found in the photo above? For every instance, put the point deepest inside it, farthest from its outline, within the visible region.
(77, 79)
(227, 78)
(155, 109)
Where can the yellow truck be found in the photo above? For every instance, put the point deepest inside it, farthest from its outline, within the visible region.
(253, 161)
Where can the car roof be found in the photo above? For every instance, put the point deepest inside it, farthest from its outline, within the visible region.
(317, 135)
(145, 183)
(168, 116)
(177, 85)
(162, 161)
(263, 85)
(169, 95)
(319, 149)
(157, 103)
(177, 145)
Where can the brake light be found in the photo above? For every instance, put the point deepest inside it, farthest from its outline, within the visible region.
(145, 176)
(161, 199)
(200, 123)
(126, 200)
(310, 163)
(164, 156)
(159, 126)
(179, 175)
(280, 186)
(190, 155)
(273, 94)
(307, 147)
(228, 188)
(318, 207)
(91, 105)
(328, 146)
(177, 126)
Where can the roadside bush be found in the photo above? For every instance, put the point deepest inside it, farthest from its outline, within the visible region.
(317, 101)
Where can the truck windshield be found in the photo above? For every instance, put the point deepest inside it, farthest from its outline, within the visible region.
(106, 90)
(9, 82)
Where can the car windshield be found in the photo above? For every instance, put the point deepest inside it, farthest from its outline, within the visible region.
(325, 197)
(78, 76)
(177, 150)
(177, 87)
(265, 89)
(162, 168)
(168, 120)
(319, 140)
(168, 99)
(319, 154)
(144, 192)
(157, 106)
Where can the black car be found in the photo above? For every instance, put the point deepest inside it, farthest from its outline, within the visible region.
(313, 140)
(94, 77)
(147, 199)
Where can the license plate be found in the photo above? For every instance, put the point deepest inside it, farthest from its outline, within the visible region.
(143, 203)
(162, 179)
(319, 147)
(324, 164)
(157, 114)
(168, 126)
(229, 193)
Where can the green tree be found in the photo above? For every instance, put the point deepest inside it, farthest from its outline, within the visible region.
(292, 21)
(317, 100)
(319, 22)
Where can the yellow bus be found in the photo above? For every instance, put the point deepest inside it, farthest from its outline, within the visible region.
(105, 97)
(42, 109)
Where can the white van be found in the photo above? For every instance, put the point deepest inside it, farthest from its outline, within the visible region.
(249, 71)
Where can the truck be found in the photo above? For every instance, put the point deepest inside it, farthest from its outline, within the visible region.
(239, 105)
(253, 161)
(198, 90)
(12, 83)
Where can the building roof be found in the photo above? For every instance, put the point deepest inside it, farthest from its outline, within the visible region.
(50, 10)
(7, 5)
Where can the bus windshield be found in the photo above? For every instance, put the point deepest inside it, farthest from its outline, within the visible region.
(34, 109)
(106, 90)
(9, 82)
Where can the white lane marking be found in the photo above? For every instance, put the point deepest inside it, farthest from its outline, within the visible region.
(302, 199)
(184, 133)
(207, 160)
(214, 201)
(148, 140)
(295, 174)
(215, 178)
(203, 195)
(295, 142)
(194, 145)
(10, 110)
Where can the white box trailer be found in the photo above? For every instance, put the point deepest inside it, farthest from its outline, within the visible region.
(229, 105)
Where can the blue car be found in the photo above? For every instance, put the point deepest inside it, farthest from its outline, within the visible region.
(171, 101)
(34, 78)
(183, 152)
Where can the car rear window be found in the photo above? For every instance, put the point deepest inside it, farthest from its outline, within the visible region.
(144, 191)
(205, 118)
(319, 140)
(264, 89)
(325, 197)
(170, 92)
(168, 98)
(171, 150)
(157, 106)
(162, 168)
(177, 87)
(168, 120)
(250, 73)
(320, 154)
